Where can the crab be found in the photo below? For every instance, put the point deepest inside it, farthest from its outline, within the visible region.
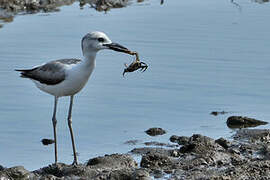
(135, 65)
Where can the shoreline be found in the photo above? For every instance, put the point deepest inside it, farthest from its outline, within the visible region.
(195, 157)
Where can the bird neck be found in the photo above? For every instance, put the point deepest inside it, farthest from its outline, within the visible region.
(89, 59)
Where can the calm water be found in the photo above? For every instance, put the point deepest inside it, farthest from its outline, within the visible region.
(203, 55)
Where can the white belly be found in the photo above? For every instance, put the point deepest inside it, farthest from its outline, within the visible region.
(75, 80)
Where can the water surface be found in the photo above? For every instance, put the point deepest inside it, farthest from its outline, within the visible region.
(203, 56)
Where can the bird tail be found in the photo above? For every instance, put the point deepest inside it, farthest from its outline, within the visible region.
(24, 72)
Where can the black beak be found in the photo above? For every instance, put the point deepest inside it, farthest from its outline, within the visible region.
(117, 47)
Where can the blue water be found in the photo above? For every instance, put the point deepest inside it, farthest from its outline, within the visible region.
(203, 56)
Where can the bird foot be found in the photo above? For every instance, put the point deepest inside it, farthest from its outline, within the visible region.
(75, 163)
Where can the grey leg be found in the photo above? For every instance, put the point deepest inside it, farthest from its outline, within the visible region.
(54, 121)
(75, 162)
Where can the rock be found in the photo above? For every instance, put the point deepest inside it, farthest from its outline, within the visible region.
(1, 168)
(47, 142)
(63, 170)
(243, 122)
(155, 131)
(215, 113)
(121, 174)
(223, 142)
(200, 144)
(158, 173)
(156, 161)
(132, 142)
(200, 157)
(114, 161)
(114, 167)
(181, 140)
(155, 143)
(17, 172)
(141, 174)
(174, 138)
(145, 150)
(252, 135)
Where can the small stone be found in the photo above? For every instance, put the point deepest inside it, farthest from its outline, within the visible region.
(174, 138)
(1, 168)
(132, 142)
(46, 142)
(175, 153)
(181, 140)
(243, 122)
(223, 142)
(215, 113)
(155, 131)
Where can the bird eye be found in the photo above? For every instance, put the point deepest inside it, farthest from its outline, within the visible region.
(101, 39)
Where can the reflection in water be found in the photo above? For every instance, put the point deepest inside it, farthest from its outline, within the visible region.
(32, 6)
(104, 5)
(161, 1)
(5, 17)
(238, 126)
(237, 5)
(256, 1)
(8, 9)
(260, 1)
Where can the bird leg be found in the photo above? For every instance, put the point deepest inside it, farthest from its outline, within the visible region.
(75, 162)
(54, 121)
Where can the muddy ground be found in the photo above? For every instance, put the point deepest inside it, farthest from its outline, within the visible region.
(246, 156)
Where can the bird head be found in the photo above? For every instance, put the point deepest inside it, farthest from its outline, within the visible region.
(95, 41)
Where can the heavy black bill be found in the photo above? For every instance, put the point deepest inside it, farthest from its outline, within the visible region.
(117, 47)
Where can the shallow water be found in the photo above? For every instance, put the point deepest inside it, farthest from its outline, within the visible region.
(203, 56)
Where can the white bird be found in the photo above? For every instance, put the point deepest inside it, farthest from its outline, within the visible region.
(66, 77)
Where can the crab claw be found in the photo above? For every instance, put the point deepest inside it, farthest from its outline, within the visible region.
(124, 72)
(144, 68)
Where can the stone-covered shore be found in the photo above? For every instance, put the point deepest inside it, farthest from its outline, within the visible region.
(246, 156)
